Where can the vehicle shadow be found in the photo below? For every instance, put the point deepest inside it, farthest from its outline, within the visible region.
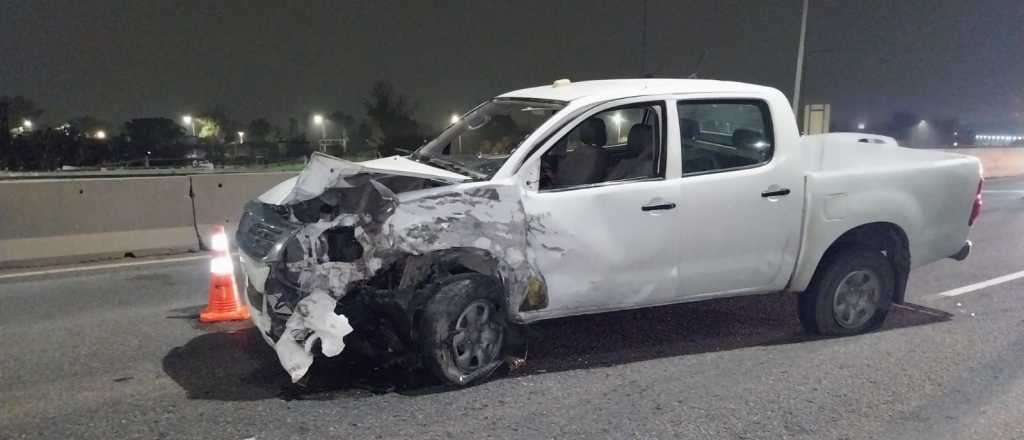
(232, 363)
(683, 329)
(226, 364)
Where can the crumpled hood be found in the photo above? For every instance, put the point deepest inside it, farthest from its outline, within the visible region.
(324, 171)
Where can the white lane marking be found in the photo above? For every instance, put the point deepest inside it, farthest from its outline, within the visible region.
(983, 284)
(101, 266)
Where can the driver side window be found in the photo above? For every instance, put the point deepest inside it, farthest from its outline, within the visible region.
(620, 144)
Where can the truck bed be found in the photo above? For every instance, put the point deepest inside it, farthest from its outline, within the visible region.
(848, 183)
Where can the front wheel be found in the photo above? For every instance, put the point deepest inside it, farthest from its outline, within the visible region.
(463, 328)
(850, 294)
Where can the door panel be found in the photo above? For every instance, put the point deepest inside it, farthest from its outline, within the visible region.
(732, 237)
(740, 200)
(599, 249)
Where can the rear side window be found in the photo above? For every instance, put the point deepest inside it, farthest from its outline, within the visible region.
(724, 135)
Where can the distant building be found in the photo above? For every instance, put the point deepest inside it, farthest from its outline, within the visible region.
(998, 140)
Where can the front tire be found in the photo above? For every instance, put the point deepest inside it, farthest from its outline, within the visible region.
(463, 329)
(850, 294)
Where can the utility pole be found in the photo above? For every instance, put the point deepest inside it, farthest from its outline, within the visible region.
(800, 62)
(5, 130)
(643, 44)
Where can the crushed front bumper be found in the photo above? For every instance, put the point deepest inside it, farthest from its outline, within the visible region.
(255, 276)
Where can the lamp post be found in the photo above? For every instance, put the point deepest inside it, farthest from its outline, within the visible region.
(454, 119)
(617, 118)
(100, 134)
(800, 60)
(187, 119)
(26, 125)
(318, 119)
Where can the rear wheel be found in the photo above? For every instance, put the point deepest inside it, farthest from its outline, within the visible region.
(463, 329)
(850, 294)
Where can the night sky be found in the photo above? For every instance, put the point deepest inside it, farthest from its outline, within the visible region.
(122, 59)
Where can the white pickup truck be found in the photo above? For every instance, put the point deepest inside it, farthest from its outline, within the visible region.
(588, 197)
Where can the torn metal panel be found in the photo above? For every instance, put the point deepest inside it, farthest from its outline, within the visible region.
(347, 222)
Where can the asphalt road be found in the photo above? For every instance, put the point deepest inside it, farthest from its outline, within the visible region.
(117, 353)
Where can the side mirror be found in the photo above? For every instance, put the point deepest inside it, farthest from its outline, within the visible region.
(529, 175)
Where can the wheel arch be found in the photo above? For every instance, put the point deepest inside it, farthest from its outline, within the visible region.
(423, 272)
(886, 237)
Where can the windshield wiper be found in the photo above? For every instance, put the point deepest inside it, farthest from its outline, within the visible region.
(453, 167)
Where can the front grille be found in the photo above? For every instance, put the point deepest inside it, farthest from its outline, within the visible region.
(260, 229)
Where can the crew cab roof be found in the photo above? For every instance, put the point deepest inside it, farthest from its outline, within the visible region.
(622, 88)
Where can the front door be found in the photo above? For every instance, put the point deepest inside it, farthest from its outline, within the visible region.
(603, 219)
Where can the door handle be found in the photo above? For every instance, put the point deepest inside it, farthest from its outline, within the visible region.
(776, 192)
(658, 207)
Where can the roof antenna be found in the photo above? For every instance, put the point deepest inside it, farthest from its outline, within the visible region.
(700, 61)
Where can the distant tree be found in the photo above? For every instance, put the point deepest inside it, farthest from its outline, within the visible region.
(44, 150)
(89, 125)
(390, 118)
(259, 130)
(346, 124)
(362, 137)
(293, 130)
(900, 124)
(345, 127)
(6, 150)
(214, 126)
(157, 135)
(20, 108)
(209, 130)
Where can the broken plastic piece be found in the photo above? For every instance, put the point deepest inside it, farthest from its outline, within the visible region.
(314, 320)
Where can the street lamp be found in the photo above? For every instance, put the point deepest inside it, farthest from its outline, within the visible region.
(187, 119)
(318, 119)
(617, 119)
(455, 118)
(26, 124)
(100, 134)
(861, 126)
(241, 137)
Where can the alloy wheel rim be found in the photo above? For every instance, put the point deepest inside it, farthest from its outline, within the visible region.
(477, 339)
(856, 298)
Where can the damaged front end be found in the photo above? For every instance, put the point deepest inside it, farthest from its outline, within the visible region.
(344, 256)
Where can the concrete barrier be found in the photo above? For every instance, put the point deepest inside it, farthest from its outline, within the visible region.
(218, 198)
(72, 220)
(56, 221)
(997, 162)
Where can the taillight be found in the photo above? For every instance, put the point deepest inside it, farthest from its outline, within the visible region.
(976, 207)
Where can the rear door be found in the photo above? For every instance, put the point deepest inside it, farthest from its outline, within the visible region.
(740, 204)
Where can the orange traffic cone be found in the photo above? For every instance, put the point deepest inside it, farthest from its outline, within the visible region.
(224, 304)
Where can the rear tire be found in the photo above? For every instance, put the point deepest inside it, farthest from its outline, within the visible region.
(463, 328)
(850, 294)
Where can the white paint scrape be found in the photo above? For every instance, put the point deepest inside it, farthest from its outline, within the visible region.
(315, 319)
